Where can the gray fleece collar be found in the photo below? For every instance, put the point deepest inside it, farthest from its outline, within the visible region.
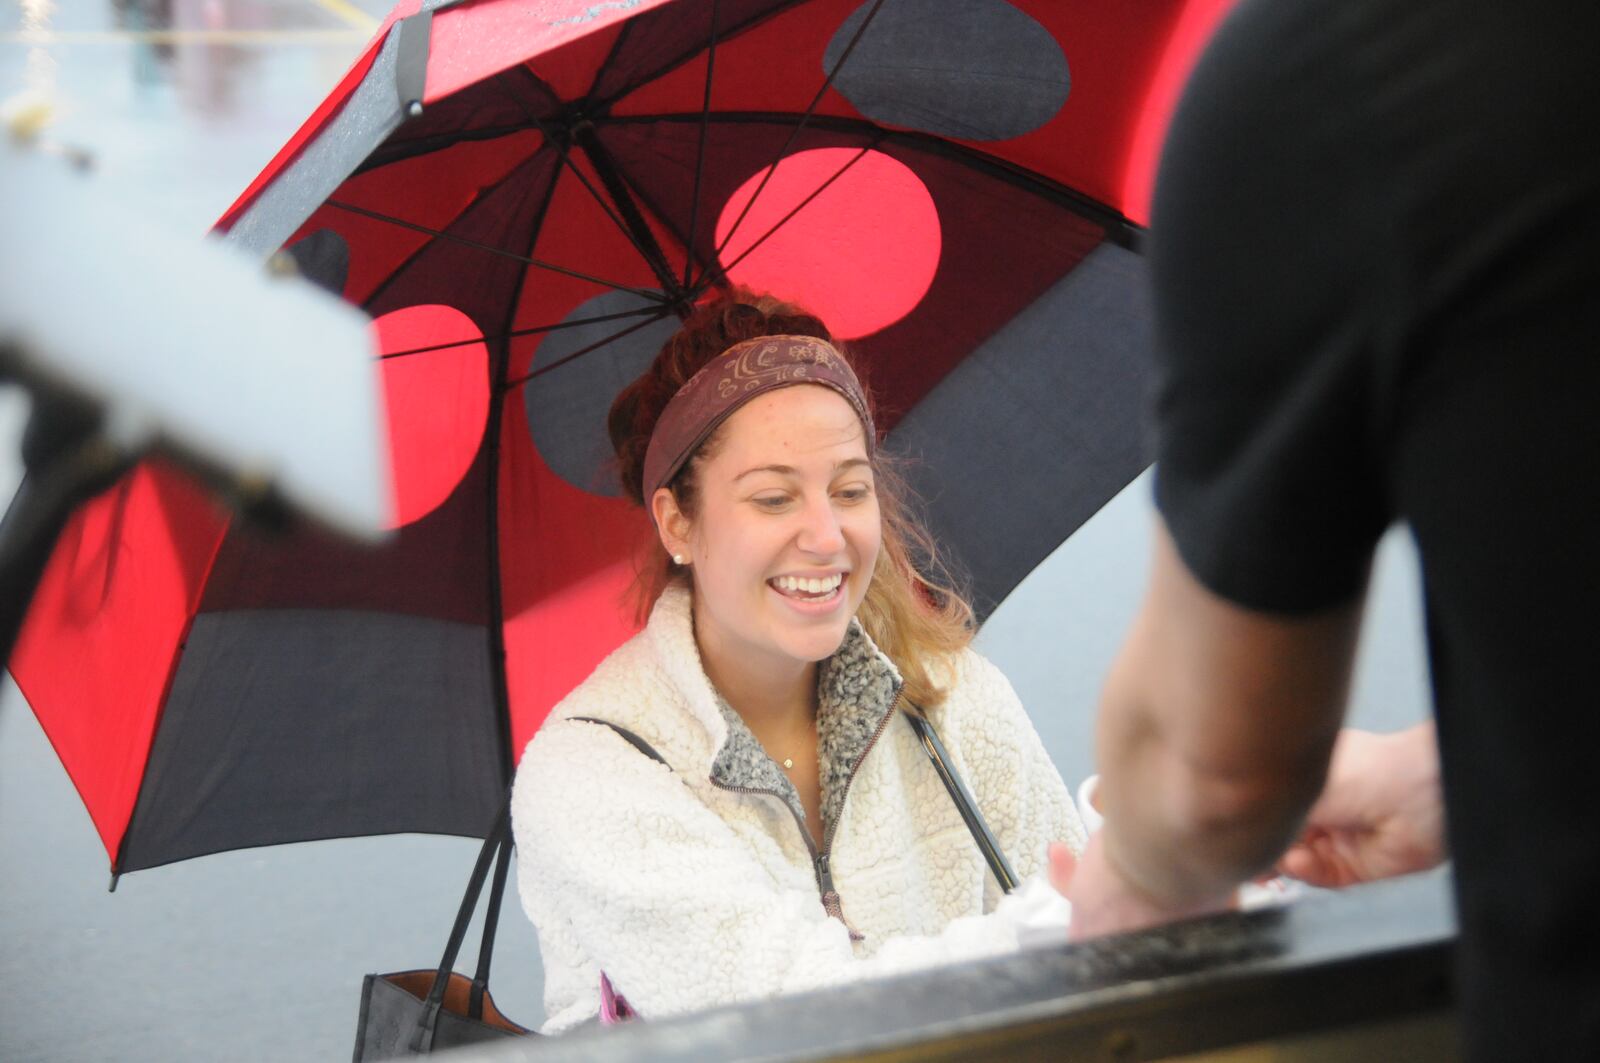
(856, 689)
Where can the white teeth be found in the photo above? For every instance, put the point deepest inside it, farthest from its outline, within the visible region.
(800, 585)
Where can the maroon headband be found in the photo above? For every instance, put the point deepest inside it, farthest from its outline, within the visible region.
(733, 378)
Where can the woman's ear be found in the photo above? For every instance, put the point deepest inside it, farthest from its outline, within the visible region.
(671, 524)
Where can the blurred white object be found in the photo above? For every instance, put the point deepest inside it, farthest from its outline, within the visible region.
(1042, 916)
(1279, 890)
(190, 347)
(1088, 811)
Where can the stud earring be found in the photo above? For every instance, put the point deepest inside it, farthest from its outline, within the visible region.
(679, 559)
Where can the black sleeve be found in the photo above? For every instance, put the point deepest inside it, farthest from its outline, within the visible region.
(1270, 265)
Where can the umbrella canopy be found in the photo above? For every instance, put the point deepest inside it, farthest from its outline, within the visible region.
(527, 198)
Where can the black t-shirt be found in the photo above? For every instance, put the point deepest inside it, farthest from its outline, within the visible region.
(1375, 250)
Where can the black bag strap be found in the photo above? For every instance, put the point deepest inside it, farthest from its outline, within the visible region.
(633, 740)
(976, 825)
(491, 922)
(499, 840)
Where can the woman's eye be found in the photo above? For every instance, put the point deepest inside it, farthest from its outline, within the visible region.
(853, 494)
(771, 501)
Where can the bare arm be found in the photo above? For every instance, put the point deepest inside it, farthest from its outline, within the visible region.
(1216, 727)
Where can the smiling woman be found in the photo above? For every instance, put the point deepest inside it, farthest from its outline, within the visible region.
(756, 761)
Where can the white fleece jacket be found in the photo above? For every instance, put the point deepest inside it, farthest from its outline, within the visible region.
(689, 890)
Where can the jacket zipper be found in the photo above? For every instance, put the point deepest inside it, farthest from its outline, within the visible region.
(821, 859)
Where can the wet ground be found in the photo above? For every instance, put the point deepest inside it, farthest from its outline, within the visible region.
(259, 954)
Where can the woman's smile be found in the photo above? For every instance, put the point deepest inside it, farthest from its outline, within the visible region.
(811, 595)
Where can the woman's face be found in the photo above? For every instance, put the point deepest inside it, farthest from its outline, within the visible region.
(788, 530)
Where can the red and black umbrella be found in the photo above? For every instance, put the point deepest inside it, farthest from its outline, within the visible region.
(527, 197)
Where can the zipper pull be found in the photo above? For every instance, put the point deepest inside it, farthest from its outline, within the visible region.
(830, 897)
(824, 873)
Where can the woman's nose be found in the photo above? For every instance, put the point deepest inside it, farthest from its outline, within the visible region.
(821, 533)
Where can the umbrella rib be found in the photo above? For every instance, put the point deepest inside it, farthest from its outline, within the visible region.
(566, 160)
(611, 55)
(411, 149)
(641, 244)
(519, 333)
(559, 362)
(1120, 230)
(801, 124)
(624, 195)
(473, 204)
(643, 293)
(781, 222)
(700, 156)
(597, 105)
(665, 221)
(594, 193)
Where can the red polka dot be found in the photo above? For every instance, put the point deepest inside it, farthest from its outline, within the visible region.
(861, 255)
(438, 402)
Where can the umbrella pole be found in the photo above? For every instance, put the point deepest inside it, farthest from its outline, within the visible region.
(67, 460)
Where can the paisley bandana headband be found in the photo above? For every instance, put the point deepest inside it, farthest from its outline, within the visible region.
(733, 378)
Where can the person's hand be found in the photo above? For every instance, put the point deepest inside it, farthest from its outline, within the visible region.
(1381, 813)
(1063, 865)
(1103, 901)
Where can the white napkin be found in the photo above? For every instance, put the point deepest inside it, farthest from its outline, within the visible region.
(1279, 890)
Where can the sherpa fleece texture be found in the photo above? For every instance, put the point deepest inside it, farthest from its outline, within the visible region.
(688, 893)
